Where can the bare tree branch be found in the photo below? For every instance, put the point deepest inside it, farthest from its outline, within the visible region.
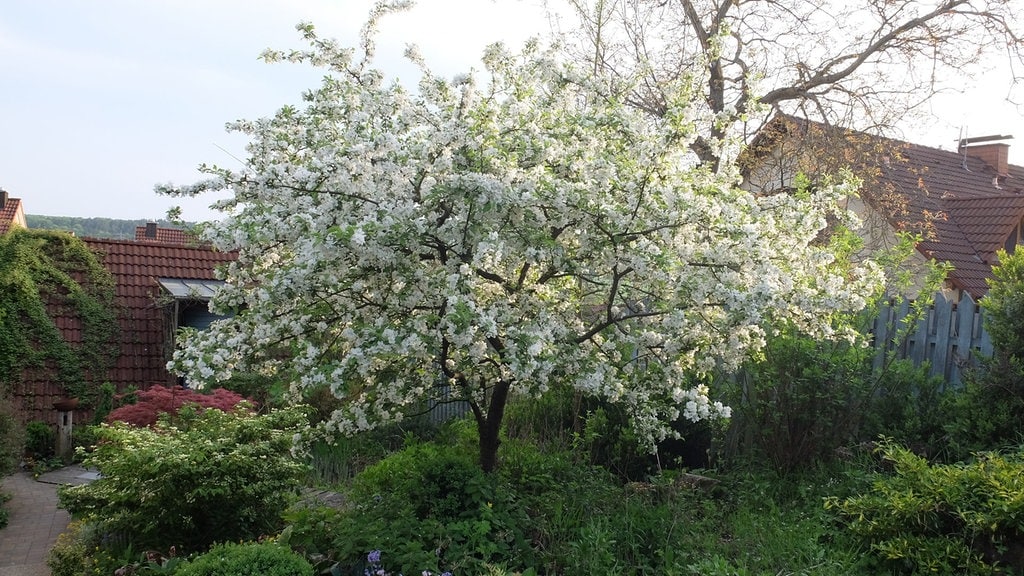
(843, 63)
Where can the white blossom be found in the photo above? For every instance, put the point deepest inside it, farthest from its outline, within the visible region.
(518, 226)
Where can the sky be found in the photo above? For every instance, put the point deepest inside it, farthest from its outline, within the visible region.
(102, 100)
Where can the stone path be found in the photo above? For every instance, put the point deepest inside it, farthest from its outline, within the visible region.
(34, 521)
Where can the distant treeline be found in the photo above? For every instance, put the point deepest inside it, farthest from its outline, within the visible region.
(93, 227)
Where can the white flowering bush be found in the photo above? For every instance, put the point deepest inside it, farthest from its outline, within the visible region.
(494, 234)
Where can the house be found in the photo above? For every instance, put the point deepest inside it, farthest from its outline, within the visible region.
(11, 212)
(159, 285)
(965, 204)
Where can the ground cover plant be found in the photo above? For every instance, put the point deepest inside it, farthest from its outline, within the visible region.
(547, 511)
(964, 518)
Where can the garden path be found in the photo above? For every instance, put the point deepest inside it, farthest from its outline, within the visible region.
(35, 521)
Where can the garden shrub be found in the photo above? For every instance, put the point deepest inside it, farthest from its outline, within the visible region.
(5, 514)
(553, 419)
(339, 460)
(104, 402)
(989, 413)
(799, 401)
(212, 476)
(908, 406)
(40, 440)
(12, 437)
(427, 507)
(964, 518)
(248, 559)
(265, 392)
(76, 552)
(84, 439)
(601, 432)
(335, 460)
(157, 400)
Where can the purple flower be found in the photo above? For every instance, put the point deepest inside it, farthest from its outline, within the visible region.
(373, 557)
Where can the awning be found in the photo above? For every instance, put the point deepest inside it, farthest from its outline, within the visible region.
(187, 289)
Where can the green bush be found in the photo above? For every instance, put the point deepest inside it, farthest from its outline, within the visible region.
(4, 513)
(426, 507)
(11, 437)
(947, 519)
(84, 438)
(252, 559)
(104, 402)
(77, 552)
(212, 477)
(988, 414)
(602, 434)
(799, 402)
(550, 420)
(910, 407)
(40, 440)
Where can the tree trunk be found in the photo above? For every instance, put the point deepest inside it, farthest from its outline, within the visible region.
(489, 427)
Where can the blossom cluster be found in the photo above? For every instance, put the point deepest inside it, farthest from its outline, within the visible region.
(520, 226)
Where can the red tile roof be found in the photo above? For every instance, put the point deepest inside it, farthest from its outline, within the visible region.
(11, 212)
(962, 206)
(153, 233)
(144, 315)
(968, 217)
(145, 325)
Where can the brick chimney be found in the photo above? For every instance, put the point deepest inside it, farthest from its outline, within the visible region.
(151, 230)
(995, 154)
(3, 198)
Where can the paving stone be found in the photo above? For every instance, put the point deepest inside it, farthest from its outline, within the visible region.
(34, 521)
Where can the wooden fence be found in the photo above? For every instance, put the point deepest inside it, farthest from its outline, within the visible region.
(948, 335)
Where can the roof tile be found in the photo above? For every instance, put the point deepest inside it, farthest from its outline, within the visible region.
(964, 210)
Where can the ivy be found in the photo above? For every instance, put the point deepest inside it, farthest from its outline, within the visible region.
(45, 275)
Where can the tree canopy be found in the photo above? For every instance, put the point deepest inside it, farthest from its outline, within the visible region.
(502, 233)
(868, 62)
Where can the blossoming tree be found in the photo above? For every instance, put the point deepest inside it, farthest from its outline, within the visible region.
(499, 234)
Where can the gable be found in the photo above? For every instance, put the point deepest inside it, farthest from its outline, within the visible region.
(11, 212)
(965, 204)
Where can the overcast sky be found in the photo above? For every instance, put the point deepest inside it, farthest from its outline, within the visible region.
(101, 100)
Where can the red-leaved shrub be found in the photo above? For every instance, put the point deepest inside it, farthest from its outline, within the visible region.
(160, 400)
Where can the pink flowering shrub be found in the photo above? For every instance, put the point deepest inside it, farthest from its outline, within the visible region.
(162, 400)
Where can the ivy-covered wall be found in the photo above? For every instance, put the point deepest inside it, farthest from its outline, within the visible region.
(58, 320)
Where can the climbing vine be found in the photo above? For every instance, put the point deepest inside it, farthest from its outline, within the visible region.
(46, 275)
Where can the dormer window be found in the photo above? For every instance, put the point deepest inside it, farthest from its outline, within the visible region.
(187, 306)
